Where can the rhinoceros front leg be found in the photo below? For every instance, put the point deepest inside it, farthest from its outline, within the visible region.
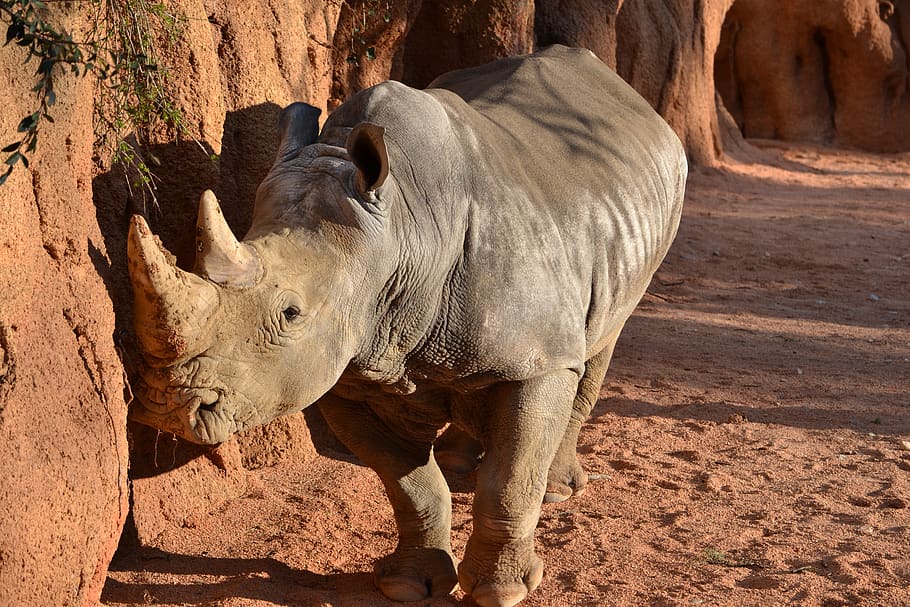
(422, 564)
(526, 421)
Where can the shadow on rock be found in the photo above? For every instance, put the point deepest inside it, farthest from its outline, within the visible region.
(183, 170)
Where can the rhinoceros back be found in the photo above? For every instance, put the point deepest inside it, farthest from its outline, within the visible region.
(579, 186)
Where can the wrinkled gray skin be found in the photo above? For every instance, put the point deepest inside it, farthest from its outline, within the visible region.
(466, 254)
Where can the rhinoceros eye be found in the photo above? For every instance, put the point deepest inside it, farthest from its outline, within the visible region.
(291, 313)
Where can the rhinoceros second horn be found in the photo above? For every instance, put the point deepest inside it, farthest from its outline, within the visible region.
(299, 127)
(219, 255)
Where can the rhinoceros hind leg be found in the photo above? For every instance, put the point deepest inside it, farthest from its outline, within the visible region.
(422, 565)
(457, 451)
(566, 477)
(526, 419)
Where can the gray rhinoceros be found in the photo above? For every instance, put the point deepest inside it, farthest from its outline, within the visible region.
(465, 254)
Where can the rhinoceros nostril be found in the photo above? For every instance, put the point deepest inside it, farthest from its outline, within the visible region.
(208, 400)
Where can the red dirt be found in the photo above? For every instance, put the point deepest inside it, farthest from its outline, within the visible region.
(747, 447)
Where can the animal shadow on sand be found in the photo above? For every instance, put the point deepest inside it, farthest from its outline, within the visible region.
(261, 579)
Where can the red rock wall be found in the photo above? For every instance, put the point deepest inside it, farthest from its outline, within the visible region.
(464, 33)
(63, 444)
(831, 71)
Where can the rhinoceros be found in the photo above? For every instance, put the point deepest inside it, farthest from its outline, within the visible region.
(465, 255)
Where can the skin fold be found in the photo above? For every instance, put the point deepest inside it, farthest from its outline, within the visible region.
(464, 255)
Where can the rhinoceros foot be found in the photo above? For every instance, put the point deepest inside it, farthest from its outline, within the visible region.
(412, 574)
(565, 479)
(515, 572)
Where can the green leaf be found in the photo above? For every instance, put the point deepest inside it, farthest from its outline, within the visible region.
(11, 147)
(45, 66)
(28, 123)
(14, 158)
(15, 30)
(5, 175)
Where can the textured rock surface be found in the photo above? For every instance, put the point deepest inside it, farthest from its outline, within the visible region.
(175, 483)
(63, 444)
(368, 47)
(465, 33)
(827, 71)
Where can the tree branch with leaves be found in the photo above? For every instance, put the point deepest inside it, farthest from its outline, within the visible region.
(121, 52)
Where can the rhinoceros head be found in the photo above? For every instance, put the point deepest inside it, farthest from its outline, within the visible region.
(265, 326)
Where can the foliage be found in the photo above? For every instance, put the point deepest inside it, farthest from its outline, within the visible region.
(366, 13)
(133, 94)
(713, 556)
(121, 52)
(51, 48)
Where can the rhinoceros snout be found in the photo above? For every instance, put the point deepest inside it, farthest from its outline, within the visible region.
(206, 421)
(199, 414)
(210, 423)
(167, 400)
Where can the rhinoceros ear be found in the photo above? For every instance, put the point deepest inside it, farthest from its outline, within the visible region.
(299, 126)
(366, 147)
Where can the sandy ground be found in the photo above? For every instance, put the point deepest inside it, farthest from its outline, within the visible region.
(746, 450)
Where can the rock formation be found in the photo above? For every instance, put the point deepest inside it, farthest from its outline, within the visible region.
(463, 33)
(832, 71)
(63, 466)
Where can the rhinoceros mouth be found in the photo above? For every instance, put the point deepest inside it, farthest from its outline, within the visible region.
(211, 423)
(174, 397)
(197, 414)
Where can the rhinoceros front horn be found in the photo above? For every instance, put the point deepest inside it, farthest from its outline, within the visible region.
(219, 255)
(172, 307)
